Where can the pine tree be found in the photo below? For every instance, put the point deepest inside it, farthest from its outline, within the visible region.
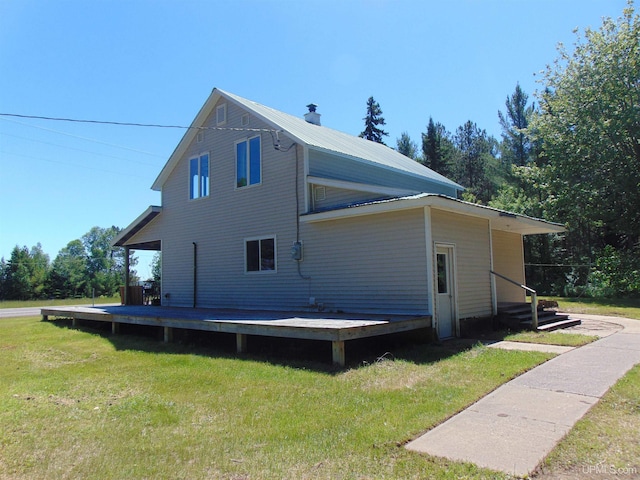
(406, 146)
(372, 120)
(476, 164)
(437, 148)
(516, 145)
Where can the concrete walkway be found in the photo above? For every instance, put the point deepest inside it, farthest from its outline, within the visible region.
(516, 426)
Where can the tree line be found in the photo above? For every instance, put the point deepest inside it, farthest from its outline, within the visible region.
(85, 267)
(572, 158)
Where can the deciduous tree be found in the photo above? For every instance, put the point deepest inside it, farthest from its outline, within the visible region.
(590, 128)
(68, 277)
(105, 264)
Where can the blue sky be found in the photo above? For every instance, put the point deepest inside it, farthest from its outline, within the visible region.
(157, 61)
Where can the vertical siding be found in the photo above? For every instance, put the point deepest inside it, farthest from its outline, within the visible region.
(508, 260)
(470, 236)
(374, 263)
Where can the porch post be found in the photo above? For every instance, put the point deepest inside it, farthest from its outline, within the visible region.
(241, 342)
(168, 334)
(127, 275)
(337, 347)
(534, 310)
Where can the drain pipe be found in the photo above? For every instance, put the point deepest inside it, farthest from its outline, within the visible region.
(195, 272)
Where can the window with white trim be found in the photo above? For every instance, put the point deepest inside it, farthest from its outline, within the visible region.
(199, 176)
(248, 162)
(260, 254)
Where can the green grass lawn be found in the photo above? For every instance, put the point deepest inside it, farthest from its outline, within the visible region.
(626, 307)
(57, 302)
(83, 404)
(79, 403)
(606, 442)
(551, 338)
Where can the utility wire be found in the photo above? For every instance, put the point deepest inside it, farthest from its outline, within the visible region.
(88, 139)
(77, 149)
(132, 124)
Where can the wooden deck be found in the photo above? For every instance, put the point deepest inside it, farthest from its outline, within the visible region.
(336, 328)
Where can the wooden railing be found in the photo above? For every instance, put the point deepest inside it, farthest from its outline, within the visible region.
(534, 298)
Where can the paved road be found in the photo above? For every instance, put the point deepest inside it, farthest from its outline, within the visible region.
(34, 311)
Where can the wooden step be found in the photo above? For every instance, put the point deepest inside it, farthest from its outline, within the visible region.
(548, 318)
(543, 315)
(549, 327)
(518, 316)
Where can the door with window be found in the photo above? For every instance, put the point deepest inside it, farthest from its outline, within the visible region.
(445, 292)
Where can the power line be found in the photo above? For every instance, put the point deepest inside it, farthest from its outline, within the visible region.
(133, 124)
(88, 139)
(77, 149)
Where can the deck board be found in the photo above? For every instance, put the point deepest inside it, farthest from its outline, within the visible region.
(336, 328)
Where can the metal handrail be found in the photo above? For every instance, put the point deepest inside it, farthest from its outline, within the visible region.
(534, 298)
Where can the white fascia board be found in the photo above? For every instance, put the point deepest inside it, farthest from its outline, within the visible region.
(372, 208)
(144, 218)
(305, 176)
(500, 220)
(186, 140)
(359, 187)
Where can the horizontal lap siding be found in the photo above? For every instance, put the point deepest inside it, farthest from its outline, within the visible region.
(220, 223)
(470, 236)
(335, 197)
(374, 263)
(322, 164)
(508, 260)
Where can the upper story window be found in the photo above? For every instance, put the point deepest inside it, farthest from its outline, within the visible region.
(248, 162)
(199, 176)
(221, 114)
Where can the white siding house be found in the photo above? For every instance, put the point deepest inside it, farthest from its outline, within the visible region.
(264, 210)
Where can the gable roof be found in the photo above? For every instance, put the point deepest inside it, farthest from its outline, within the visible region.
(312, 136)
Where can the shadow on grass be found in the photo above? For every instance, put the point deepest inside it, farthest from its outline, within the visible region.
(288, 352)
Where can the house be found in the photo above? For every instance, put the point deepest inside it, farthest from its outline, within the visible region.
(265, 210)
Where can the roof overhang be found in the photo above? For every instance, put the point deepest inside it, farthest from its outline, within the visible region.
(499, 219)
(186, 140)
(138, 224)
(196, 125)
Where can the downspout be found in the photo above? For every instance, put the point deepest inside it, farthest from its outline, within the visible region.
(195, 272)
(306, 203)
(494, 291)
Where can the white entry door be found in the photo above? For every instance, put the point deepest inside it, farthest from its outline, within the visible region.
(445, 300)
